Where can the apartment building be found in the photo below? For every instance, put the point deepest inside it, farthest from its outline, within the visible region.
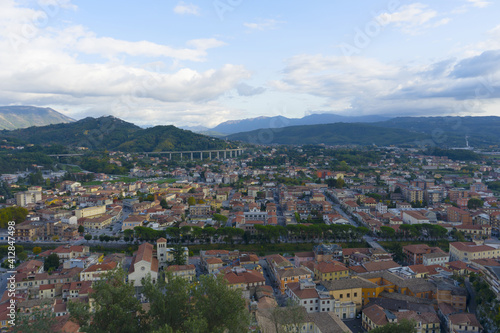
(467, 251)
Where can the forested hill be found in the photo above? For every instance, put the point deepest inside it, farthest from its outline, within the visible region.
(114, 134)
(331, 134)
(448, 132)
(451, 131)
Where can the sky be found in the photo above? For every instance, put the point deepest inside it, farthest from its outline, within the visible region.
(200, 63)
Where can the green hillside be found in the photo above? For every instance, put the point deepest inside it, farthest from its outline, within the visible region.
(332, 134)
(169, 138)
(451, 131)
(114, 134)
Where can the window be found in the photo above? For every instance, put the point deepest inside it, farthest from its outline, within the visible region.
(341, 296)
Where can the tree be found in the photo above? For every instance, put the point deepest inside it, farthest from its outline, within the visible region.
(22, 256)
(163, 204)
(222, 308)
(169, 302)
(37, 250)
(220, 218)
(404, 326)
(79, 312)
(128, 233)
(81, 229)
(87, 237)
(164, 329)
(16, 214)
(475, 203)
(178, 254)
(211, 307)
(40, 320)
(51, 261)
(289, 318)
(116, 308)
(191, 201)
(387, 232)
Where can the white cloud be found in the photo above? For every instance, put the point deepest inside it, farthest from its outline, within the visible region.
(262, 25)
(471, 4)
(51, 68)
(480, 3)
(412, 19)
(363, 85)
(492, 42)
(186, 9)
(110, 47)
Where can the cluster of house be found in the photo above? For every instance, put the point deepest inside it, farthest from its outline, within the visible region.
(366, 283)
(452, 214)
(73, 280)
(53, 215)
(261, 199)
(329, 283)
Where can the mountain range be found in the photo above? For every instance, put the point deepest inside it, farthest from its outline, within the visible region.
(14, 117)
(420, 131)
(114, 134)
(331, 134)
(250, 124)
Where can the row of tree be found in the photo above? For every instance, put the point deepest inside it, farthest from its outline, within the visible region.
(264, 234)
(414, 231)
(177, 306)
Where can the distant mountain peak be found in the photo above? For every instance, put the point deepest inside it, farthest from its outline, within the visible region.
(250, 124)
(20, 116)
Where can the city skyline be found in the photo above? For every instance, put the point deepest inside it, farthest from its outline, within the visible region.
(191, 63)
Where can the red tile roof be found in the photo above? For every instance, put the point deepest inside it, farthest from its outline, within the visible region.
(329, 267)
(302, 293)
(177, 268)
(245, 277)
(376, 314)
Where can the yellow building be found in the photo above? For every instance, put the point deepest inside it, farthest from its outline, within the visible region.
(391, 283)
(347, 290)
(47, 291)
(90, 211)
(286, 276)
(467, 251)
(215, 204)
(221, 196)
(97, 223)
(187, 272)
(327, 271)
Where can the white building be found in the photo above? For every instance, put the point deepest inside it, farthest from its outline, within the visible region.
(435, 259)
(165, 254)
(304, 293)
(143, 263)
(28, 197)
